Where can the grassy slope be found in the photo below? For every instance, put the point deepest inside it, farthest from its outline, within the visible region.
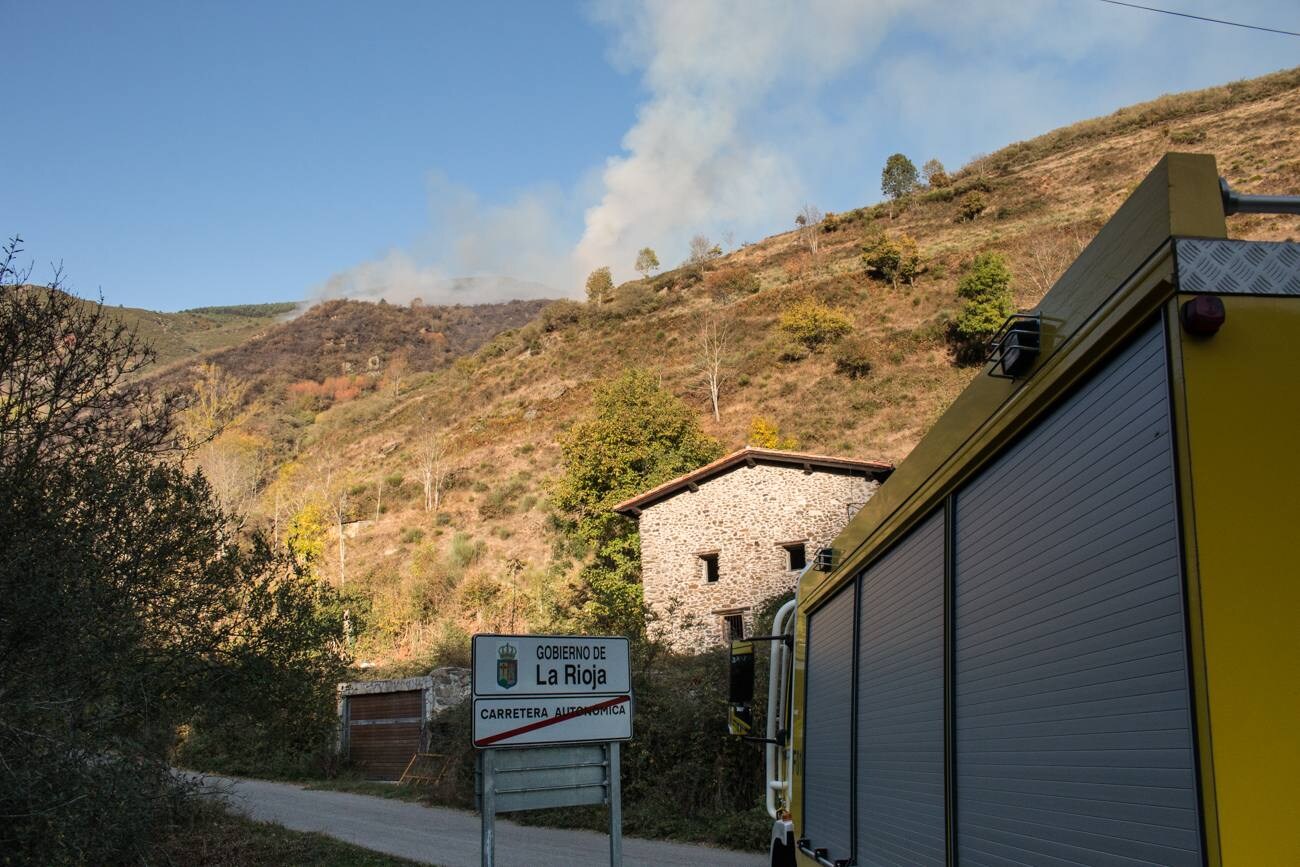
(188, 333)
(1046, 197)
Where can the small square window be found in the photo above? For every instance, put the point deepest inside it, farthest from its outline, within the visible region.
(710, 562)
(735, 626)
(796, 555)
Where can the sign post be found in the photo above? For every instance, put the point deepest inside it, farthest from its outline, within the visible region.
(550, 712)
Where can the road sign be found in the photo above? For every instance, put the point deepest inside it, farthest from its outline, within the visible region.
(510, 665)
(532, 720)
(535, 691)
(532, 690)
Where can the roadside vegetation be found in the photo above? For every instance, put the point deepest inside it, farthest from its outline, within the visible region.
(210, 836)
(136, 615)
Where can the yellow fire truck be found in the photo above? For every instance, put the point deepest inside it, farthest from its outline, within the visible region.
(1064, 632)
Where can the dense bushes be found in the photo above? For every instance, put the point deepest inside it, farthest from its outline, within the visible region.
(129, 601)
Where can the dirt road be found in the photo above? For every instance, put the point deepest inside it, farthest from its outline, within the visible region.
(450, 837)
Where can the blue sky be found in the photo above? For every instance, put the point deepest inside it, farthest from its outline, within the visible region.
(182, 154)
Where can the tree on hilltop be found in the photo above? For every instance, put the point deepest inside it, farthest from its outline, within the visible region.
(703, 250)
(646, 262)
(897, 180)
(935, 174)
(808, 221)
(600, 286)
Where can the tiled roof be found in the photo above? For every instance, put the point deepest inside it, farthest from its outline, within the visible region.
(750, 456)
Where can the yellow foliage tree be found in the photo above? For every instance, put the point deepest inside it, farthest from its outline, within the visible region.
(764, 434)
(305, 536)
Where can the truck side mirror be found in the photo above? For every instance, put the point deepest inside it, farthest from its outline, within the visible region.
(740, 694)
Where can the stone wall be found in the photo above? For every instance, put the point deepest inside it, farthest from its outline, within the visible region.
(745, 516)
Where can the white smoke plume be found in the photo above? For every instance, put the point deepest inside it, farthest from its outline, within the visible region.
(472, 254)
(692, 160)
(733, 133)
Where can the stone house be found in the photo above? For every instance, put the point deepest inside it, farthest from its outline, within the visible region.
(718, 541)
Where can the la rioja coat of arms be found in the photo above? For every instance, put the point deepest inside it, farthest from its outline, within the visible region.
(507, 666)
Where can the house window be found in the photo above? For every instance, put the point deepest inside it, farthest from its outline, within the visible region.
(796, 555)
(734, 626)
(710, 566)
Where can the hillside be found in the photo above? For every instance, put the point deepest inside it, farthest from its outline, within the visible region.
(485, 560)
(335, 338)
(189, 333)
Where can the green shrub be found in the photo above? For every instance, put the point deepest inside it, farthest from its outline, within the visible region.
(411, 535)
(465, 551)
(812, 325)
(986, 289)
(502, 501)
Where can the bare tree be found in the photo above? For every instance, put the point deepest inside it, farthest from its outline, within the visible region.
(703, 250)
(398, 367)
(331, 490)
(809, 221)
(432, 459)
(712, 358)
(1049, 258)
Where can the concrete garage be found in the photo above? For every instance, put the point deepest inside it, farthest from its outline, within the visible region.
(383, 723)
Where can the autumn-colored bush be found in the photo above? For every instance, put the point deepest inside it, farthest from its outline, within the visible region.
(972, 205)
(729, 283)
(334, 389)
(895, 259)
(813, 325)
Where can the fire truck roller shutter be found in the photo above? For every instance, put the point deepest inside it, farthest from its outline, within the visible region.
(1073, 733)
(900, 803)
(828, 725)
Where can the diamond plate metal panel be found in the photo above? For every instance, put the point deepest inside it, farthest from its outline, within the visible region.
(1238, 267)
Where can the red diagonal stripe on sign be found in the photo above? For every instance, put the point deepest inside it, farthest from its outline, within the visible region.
(541, 724)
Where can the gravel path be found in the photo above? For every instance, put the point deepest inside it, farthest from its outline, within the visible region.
(435, 835)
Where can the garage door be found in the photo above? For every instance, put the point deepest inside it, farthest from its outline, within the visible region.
(384, 732)
(1073, 734)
